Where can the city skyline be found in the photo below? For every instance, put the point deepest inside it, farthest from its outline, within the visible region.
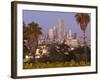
(49, 19)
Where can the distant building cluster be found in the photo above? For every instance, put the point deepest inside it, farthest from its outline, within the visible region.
(57, 34)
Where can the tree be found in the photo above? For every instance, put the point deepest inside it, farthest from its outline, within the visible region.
(31, 33)
(83, 19)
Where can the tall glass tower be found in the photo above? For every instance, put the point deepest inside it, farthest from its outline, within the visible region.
(61, 30)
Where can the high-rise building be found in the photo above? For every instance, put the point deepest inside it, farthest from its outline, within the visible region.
(74, 35)
(68, 34)
(61, 29)
(51, 34)
(55, 32)
(65, 35)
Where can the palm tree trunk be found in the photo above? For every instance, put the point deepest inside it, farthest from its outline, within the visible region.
(84, 41)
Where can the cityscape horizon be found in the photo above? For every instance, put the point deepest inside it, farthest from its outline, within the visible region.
(50, 19)
(55, 39)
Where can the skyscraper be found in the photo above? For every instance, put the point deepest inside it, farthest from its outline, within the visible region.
(61, 29)
(55, 32)
(51, 34)
(65, 35)
(74, 35)
(69, 35)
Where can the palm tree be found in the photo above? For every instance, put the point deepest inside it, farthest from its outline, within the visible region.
(32, 32)
(83, 19)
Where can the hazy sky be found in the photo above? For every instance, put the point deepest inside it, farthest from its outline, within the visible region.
(49, 19)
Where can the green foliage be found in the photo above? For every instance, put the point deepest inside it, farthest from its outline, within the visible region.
(31, 33)
(82, 19)
(32, 29)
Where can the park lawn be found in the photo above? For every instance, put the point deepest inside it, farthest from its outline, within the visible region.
(39, 65)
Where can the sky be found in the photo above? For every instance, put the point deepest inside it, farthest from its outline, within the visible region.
(49, 19)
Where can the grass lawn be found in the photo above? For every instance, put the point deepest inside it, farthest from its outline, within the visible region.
(37, 65)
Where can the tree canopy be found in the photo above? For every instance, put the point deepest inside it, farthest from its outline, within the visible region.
(83, 19)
